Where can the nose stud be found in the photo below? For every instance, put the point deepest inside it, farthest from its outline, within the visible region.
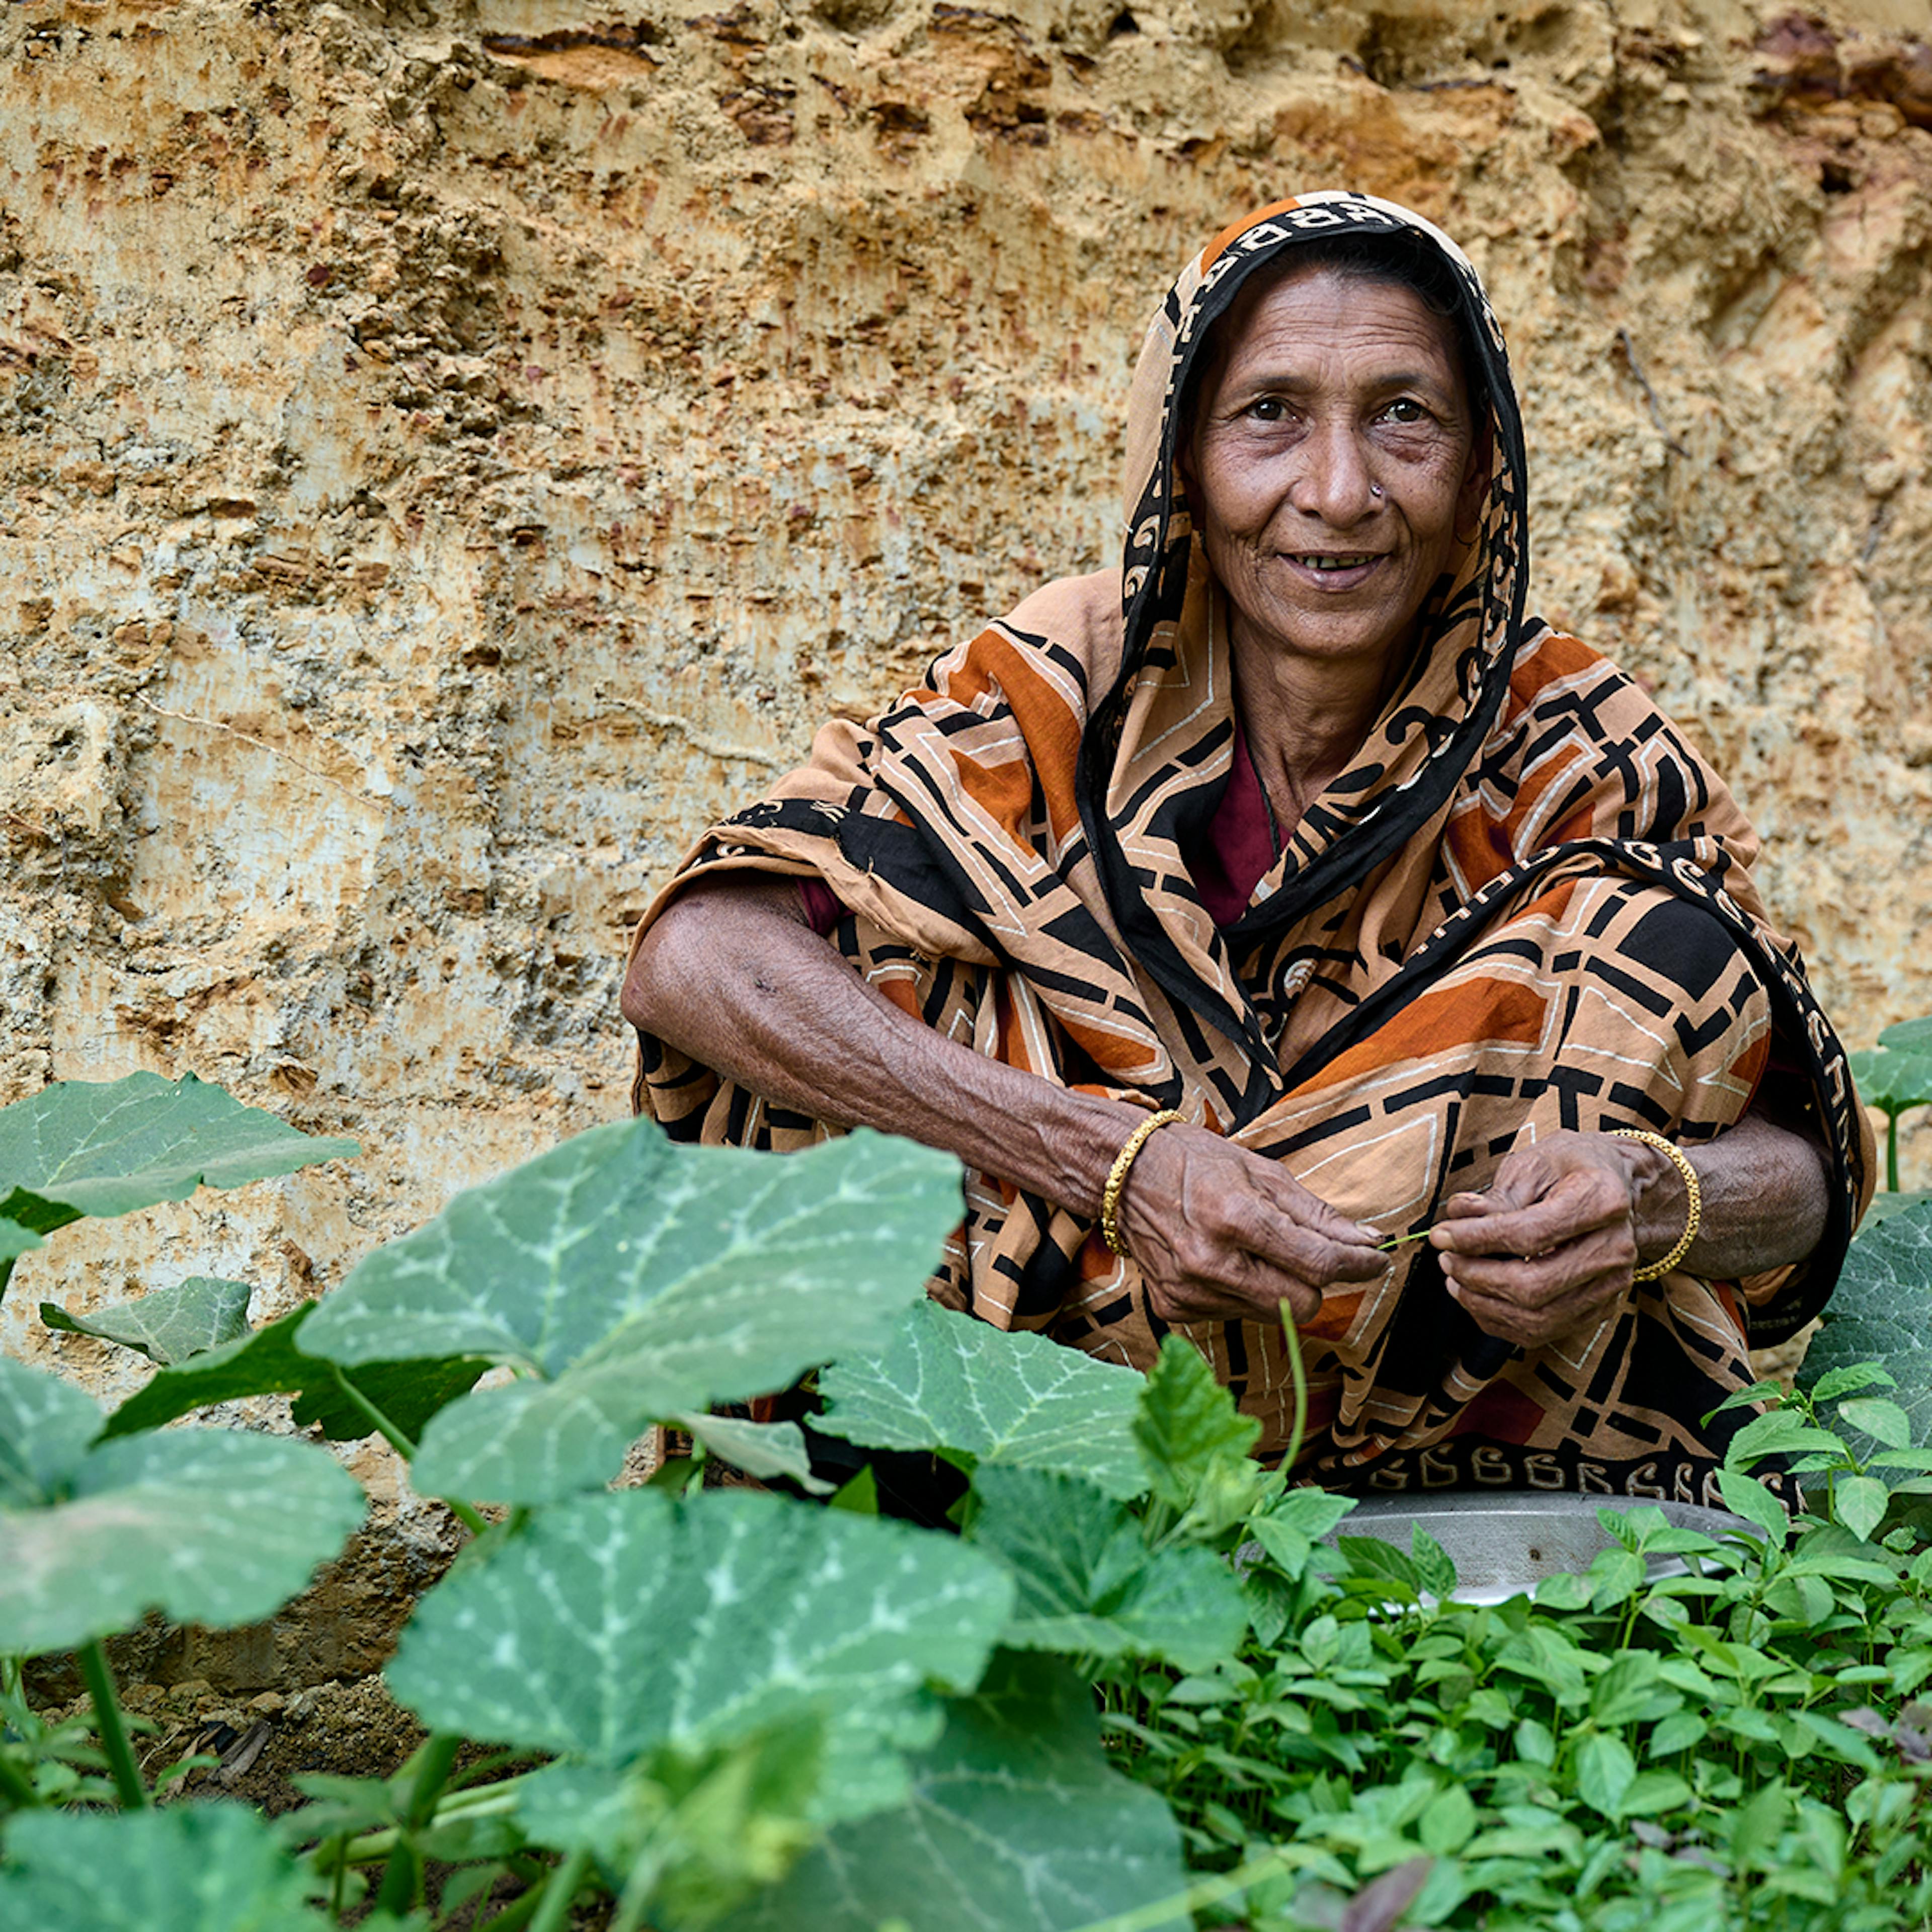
(1374, 489)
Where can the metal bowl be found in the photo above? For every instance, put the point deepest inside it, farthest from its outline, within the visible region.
(1504, 1543)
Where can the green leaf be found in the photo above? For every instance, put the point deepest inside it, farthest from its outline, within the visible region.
(1880, 1418)
(1908, 1036)
(1651, 1791)
(1859, 1503)
(45, 1426)
(1881, 1312)
(764, 1449)
(1757, 1825)
(1888, 1202)
(1194, 1443)
(1435, 1569)
(1682, 1730)
(947, 1382)
(1605, 1773)
(1014, 1821)
(1089, 1585)
(1892, 1078)
(1783, 1432)
(1746, 1496)
(1370, 1556)
(718, 1827)
(166, 1324)
(186, 1868)
(207, 1525)
(1849, 1380)
(620, 1625)
(627, 1278)
(271, 1360)
(1447, 1822)
(88, 1147)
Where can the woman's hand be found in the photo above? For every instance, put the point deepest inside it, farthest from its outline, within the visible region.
(1220, 1233)
(1555, 1240)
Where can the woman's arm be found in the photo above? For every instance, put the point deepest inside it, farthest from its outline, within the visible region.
(1553, 1241)
(732, 975)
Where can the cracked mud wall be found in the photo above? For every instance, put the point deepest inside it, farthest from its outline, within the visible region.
(452, 452)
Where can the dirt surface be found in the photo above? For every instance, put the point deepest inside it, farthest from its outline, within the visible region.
(450, 452)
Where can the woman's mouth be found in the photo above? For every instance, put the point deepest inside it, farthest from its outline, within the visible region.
(1314, 560)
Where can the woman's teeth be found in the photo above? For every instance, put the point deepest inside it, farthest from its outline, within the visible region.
(1334, 562)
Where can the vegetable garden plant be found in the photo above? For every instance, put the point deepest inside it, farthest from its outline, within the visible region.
(1147, 1686)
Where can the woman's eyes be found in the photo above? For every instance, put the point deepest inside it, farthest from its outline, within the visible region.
(1405, 411)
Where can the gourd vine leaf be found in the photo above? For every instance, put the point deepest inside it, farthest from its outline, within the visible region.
(621, 1624)
(1194, 1443)
(1882, 1311)
(948, 1382)
(207, 1525)
(1894, 1079)
(761, 1449)
(1014, 1819)
(185, 1868)
(108, 1147)
(1089, 1585)
(271, 1360)
(1888, 1201)
(626, 1278)
(1908, 1036)
(166, 1324)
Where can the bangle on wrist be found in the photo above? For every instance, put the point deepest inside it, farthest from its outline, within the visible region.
(1694, 1204)
(1116, 1176)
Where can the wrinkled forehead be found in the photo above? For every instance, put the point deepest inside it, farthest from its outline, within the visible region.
(1369, 289)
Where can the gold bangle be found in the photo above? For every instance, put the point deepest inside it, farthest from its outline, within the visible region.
(1681, 1162)
(1117, 1176)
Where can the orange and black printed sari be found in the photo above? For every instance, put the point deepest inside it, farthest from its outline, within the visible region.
(1526, 906)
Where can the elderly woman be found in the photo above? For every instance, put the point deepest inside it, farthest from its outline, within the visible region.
(1287, 889)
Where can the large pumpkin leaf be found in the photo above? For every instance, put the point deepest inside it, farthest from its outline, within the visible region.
(271, 1360)
(628, 1278)
(108, 1147)
(1014, 1821)
(945, 1381)
(1881, 1312)
(166, 1324)
(207, 1525)
(46, 1425)
(616, 1625)
(1893, 1078)
(187, 1868)
(1088, 1584)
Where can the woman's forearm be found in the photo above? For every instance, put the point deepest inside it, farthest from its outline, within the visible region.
(1764, 1198)
(732, 977)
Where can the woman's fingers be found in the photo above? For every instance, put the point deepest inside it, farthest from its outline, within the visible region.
(1222, 1234)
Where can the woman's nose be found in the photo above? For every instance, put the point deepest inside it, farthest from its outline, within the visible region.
(1335, 484)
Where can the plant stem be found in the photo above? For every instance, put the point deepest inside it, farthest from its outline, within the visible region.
(100, 1682)
(1398, 1241)
(560, 1888)
(15, 1788)
(1891, 1152)
(480, 1801)
(435, 1763)
(1300, 1376)
(517, 1915)
(402, 1445)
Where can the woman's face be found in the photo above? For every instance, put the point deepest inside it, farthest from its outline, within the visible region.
(1331, 462)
